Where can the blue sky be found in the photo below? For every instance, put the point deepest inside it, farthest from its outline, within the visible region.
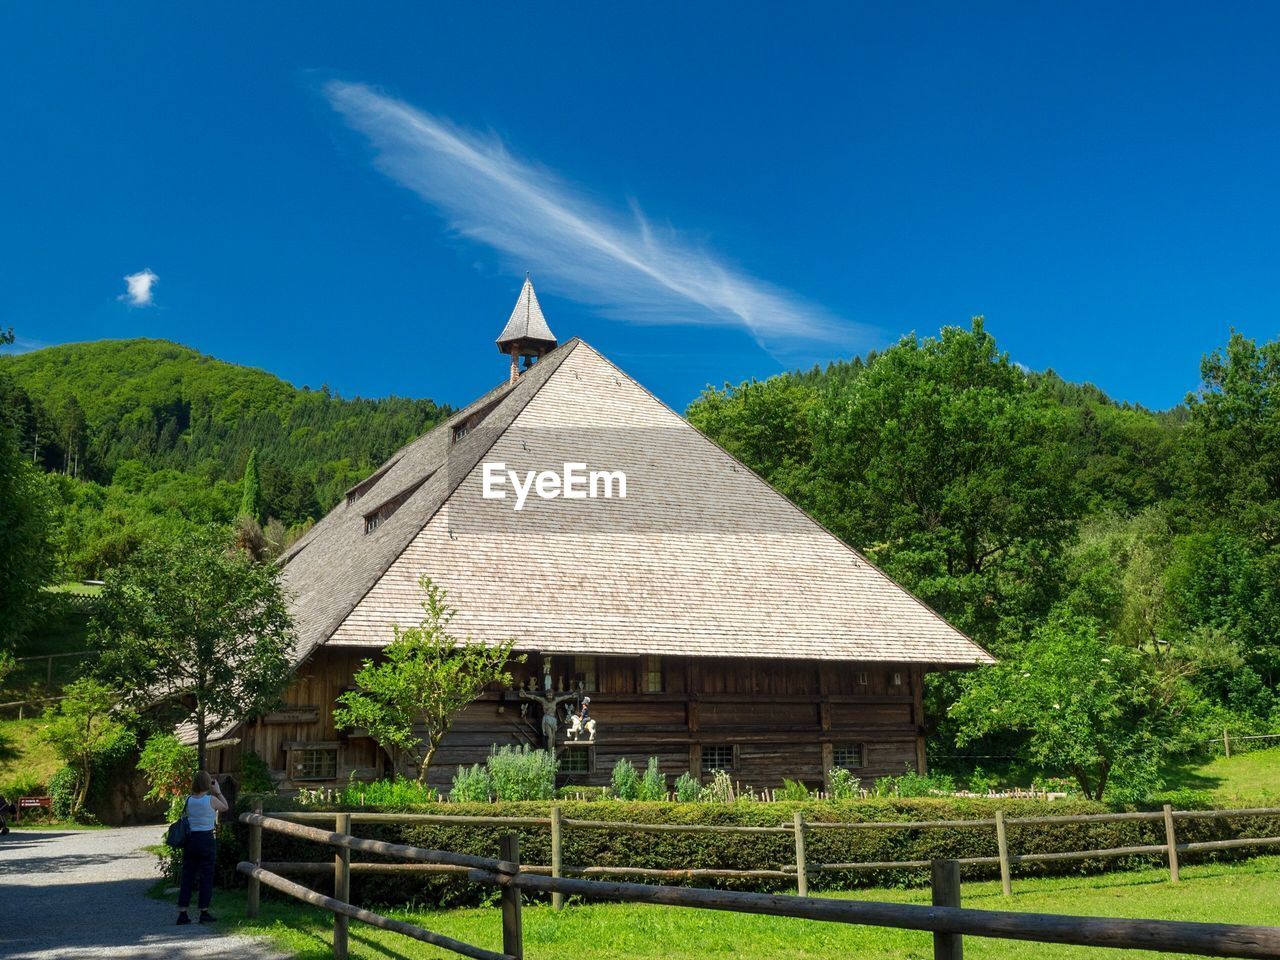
(704, 192)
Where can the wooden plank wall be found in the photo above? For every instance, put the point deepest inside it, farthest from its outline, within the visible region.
(782, 718)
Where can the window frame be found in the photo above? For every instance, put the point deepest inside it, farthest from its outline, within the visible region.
(299, 757)
(586, 750)
(836, 749)
(707, 768)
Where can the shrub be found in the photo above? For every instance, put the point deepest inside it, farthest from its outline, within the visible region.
(982, 782)
(653, 785)
(750, 851)
(168, 764)
(687, 788)
(64, 786)
(21, 784)
(471, 785)
(519, 773)
(792, 790)
(719, 790)
(255, 775)
(625, 781)
(844, 785)
(397, 793)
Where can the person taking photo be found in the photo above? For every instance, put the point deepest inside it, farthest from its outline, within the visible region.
(198, 857)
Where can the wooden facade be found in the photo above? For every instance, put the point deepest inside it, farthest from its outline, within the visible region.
(760, 720)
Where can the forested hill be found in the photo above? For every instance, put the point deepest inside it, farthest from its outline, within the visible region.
(166, 405)
(155, 431)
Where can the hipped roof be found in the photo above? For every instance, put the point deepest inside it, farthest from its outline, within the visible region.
(703, 558)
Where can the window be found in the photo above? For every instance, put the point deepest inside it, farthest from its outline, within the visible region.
(374, 519)
(321, 764)
(860, 678)
(895, 679)
(367, 484)
(847, 755)
(717, 756)
(652, 667)
(460, 431)
(575, 759)
(584, 673)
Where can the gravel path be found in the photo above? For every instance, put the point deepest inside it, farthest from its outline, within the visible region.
(72, 895)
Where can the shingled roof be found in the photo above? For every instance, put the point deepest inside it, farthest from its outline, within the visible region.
(702, 557)
(526, 323)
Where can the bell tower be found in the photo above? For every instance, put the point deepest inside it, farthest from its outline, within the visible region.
(526, 333)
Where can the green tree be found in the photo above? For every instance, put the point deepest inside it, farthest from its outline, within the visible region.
(169, 765)
(944, 463)
(1088, 708)
(1231, 466)
(408, 700)
(251, 498)
(26, 556)
(198, 627)
(81, 727)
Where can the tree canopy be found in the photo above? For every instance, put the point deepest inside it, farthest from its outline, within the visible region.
(194, 630)
(408, 699)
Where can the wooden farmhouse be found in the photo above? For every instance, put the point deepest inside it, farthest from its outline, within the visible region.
(712, 623)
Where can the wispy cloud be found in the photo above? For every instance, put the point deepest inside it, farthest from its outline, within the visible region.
(623, 265)
(138, 288)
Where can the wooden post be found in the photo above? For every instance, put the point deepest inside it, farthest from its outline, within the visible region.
(1172, 839)
(557, 899)
(255, 857)
(802, 872)
(49, 677)
(1002, 845)
(512, 933)
(946, 893)
(341, 887)
(1226, 742)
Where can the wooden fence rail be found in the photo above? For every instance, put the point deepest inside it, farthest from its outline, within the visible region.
(801, 870)
(946, 919)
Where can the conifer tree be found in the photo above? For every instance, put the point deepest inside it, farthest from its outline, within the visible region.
(251, 498)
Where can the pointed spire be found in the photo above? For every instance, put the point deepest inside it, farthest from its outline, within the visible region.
(526, 322)
(526, 333)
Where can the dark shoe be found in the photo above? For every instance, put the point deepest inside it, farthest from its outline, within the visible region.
(207, 917)
(183, 918)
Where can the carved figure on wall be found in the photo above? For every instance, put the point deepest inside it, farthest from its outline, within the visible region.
(549, 702)
(581, 722)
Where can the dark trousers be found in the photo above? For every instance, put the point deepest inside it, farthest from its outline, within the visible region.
(197, 864)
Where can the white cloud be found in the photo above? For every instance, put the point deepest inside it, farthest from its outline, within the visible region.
(139, 286)
(623, 265)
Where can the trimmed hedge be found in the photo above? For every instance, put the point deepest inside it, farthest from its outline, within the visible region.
(584, 847)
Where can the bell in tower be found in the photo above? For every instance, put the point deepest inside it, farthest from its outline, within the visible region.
(526, 333)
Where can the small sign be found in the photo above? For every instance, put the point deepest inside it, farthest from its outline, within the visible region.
(293, 715)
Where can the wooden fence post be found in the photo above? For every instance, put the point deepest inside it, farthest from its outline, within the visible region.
(1226, 742)
(1172, 839)
(557, 899)
(341, 887)
(512, 932)
(1002, 846)
(802, 871)
(255, 857)
(946, 893)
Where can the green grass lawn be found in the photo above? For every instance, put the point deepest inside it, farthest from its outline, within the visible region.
(25, 762)
(1243, 779)
(1237, 893)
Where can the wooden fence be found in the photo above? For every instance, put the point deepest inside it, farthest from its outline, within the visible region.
(801, 829)
(946, 919)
